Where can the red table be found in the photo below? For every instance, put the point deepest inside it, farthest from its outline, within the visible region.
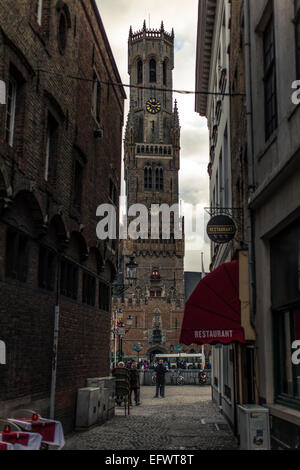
(21, 440)
(51, 431)
(6, 446)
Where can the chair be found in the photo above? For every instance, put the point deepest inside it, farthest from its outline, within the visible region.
(22, 413)
(122, 387)
(13, 427)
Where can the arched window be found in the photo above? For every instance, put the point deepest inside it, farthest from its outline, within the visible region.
(159, 179)
(165, 72)
(147, 178)
(140, 71)
(152, 64)
(62, 32)
(141, 129)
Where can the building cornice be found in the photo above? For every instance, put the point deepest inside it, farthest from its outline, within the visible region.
(205, 34)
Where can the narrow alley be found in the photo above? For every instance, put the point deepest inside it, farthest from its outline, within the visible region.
(186, 419)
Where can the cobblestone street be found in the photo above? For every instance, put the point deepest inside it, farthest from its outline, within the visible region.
(186, 419)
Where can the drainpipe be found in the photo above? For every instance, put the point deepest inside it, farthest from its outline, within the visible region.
(55, 343)
(250, 154)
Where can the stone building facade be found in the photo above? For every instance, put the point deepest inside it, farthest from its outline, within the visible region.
(60, 158)
(155, 303)
(220, 68)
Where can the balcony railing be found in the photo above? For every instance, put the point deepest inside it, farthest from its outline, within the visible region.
(142, 149)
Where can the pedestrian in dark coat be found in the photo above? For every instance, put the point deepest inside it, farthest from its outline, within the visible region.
(134, 384)
(160, 379)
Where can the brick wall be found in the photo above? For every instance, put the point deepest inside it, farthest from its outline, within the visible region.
(44, 210)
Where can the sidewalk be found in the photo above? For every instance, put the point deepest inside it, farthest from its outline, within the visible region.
(185, 420)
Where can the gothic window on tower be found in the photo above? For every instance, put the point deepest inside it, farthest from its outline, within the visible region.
(141, 130)
(155, 293)
(152, 65)
(159, 177)
(165, 72)
(140, 72)
(147, 178)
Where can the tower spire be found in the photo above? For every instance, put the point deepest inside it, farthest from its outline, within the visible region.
(162, 26)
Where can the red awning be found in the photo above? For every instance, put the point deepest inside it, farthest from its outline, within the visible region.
(213, 312)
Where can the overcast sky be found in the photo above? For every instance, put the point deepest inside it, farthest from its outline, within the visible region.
(118, 16)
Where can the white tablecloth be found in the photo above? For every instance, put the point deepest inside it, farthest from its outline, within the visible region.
(59, 439)
(8, 446)
(34, 441)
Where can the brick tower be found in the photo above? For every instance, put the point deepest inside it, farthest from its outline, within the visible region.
(155, 303)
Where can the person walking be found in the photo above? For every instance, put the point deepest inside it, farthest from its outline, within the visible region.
(134, 384)
(160, 379)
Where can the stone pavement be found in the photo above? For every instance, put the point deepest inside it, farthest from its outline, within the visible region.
(186, 419)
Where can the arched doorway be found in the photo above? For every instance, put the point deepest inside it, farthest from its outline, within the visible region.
(155, 350)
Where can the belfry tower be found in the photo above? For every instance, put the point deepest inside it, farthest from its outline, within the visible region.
(155, 303)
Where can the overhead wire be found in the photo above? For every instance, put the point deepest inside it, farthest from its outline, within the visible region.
(141, 87)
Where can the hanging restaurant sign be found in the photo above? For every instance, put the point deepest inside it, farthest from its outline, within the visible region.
(221, 229)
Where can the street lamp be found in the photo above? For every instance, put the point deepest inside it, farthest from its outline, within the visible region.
(122, 330)
(131, 270)
(137, 348)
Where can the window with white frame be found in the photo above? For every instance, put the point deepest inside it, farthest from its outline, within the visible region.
(11, 111)
(39, 11)
(51, 142)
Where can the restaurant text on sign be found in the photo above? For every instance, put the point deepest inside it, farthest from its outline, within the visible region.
(213, 334)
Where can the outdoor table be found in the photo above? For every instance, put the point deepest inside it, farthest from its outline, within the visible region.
(50, 430)
(20, 440)
(6, 446)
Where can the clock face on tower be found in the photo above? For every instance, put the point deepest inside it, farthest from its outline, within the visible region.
(153, 106)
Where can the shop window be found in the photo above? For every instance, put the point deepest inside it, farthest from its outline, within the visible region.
(17, 253)
(287, 373)
(46, 274)
(285, 290)
(88, 289)
(285, 267)
(69, 279)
